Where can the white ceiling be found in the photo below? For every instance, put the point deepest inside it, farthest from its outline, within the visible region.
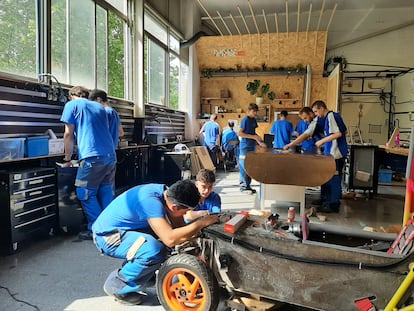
(347, 21)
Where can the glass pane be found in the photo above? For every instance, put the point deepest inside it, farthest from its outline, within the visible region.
(120, 5)
(116, 56)
(174, 44)
(146, 68)
(58, 37)
(183, 97)
(101, 49)
(156, 74)
(155, 28)
(174, 83)
(82, 43)
(18, 29)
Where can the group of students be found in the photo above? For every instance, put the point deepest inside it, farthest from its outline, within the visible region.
(96, 127)
(326, 129)
(320, 131)
(246, 136)
(140, 224)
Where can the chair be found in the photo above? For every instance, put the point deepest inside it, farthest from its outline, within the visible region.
(230, 154)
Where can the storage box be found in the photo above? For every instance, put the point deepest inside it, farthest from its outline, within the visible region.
(36, 146)
(56, 146)
(384, 176)
(11, 148)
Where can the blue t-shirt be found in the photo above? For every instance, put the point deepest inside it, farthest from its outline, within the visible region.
(228, 135)
(211, 204)
(114, 124)
(309, 144)
(211, 130)
(249, 126)
(132, 209)
(91, 127)
(282, 129)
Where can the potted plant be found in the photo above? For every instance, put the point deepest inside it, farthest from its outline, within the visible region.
(260, 90)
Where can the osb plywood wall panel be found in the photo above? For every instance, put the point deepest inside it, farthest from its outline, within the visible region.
(255, 52)
(318, 89)
(274, 50)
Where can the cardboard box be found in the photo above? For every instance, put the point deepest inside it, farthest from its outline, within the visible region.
(56, 146)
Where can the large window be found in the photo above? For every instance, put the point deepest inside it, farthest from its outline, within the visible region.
(161, 64)
(88, 45)
(18, 37)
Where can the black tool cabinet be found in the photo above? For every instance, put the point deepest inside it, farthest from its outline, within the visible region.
(361, 169)
(28, 204)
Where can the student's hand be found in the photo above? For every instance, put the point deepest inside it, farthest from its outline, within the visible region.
(191, 215)
(262, 144)
(286, 147)
(209, 220)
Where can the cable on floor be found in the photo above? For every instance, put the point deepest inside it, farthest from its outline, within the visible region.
(18, 300)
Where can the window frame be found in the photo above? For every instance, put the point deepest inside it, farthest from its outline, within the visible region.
(168, 50)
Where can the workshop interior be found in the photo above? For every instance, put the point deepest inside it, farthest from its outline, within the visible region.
(167, 67)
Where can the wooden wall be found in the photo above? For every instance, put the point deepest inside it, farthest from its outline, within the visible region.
(247, 54)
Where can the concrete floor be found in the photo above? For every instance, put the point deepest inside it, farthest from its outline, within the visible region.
(62, 273)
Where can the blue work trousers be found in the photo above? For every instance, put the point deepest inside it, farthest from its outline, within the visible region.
(95, 185)
(331, 191)
(135, 273)
(245, 179)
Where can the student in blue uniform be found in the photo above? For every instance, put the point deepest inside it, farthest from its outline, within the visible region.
(306, 139)
(231, 151)
(334, 144)
(210, 201)
(282, 129)
(211, 131)
(248, 143)
(138, 226)
(87, 121)
(115, 126)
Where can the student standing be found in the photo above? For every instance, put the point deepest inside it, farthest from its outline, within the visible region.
(335, 145)
(307, 138)
(87, 121)
(248, 143)
(114, 120)
(211, 131)
(282, 129)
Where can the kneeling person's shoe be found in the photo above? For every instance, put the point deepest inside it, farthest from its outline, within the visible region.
(129, 299)
(114, 284)
(85, 235)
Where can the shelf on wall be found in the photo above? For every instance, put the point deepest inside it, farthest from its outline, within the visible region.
(215, 98)
(253, 73)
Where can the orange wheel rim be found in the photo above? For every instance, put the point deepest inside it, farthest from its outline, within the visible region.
(183, 290)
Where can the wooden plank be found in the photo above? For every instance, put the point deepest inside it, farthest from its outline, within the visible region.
(195, 163)
(204, 158)
(289, 168)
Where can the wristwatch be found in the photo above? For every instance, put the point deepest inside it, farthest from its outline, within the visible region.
(66, 161)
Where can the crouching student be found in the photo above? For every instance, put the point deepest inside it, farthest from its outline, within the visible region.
(138, 227)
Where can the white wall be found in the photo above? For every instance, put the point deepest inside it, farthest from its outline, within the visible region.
(393, 49)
